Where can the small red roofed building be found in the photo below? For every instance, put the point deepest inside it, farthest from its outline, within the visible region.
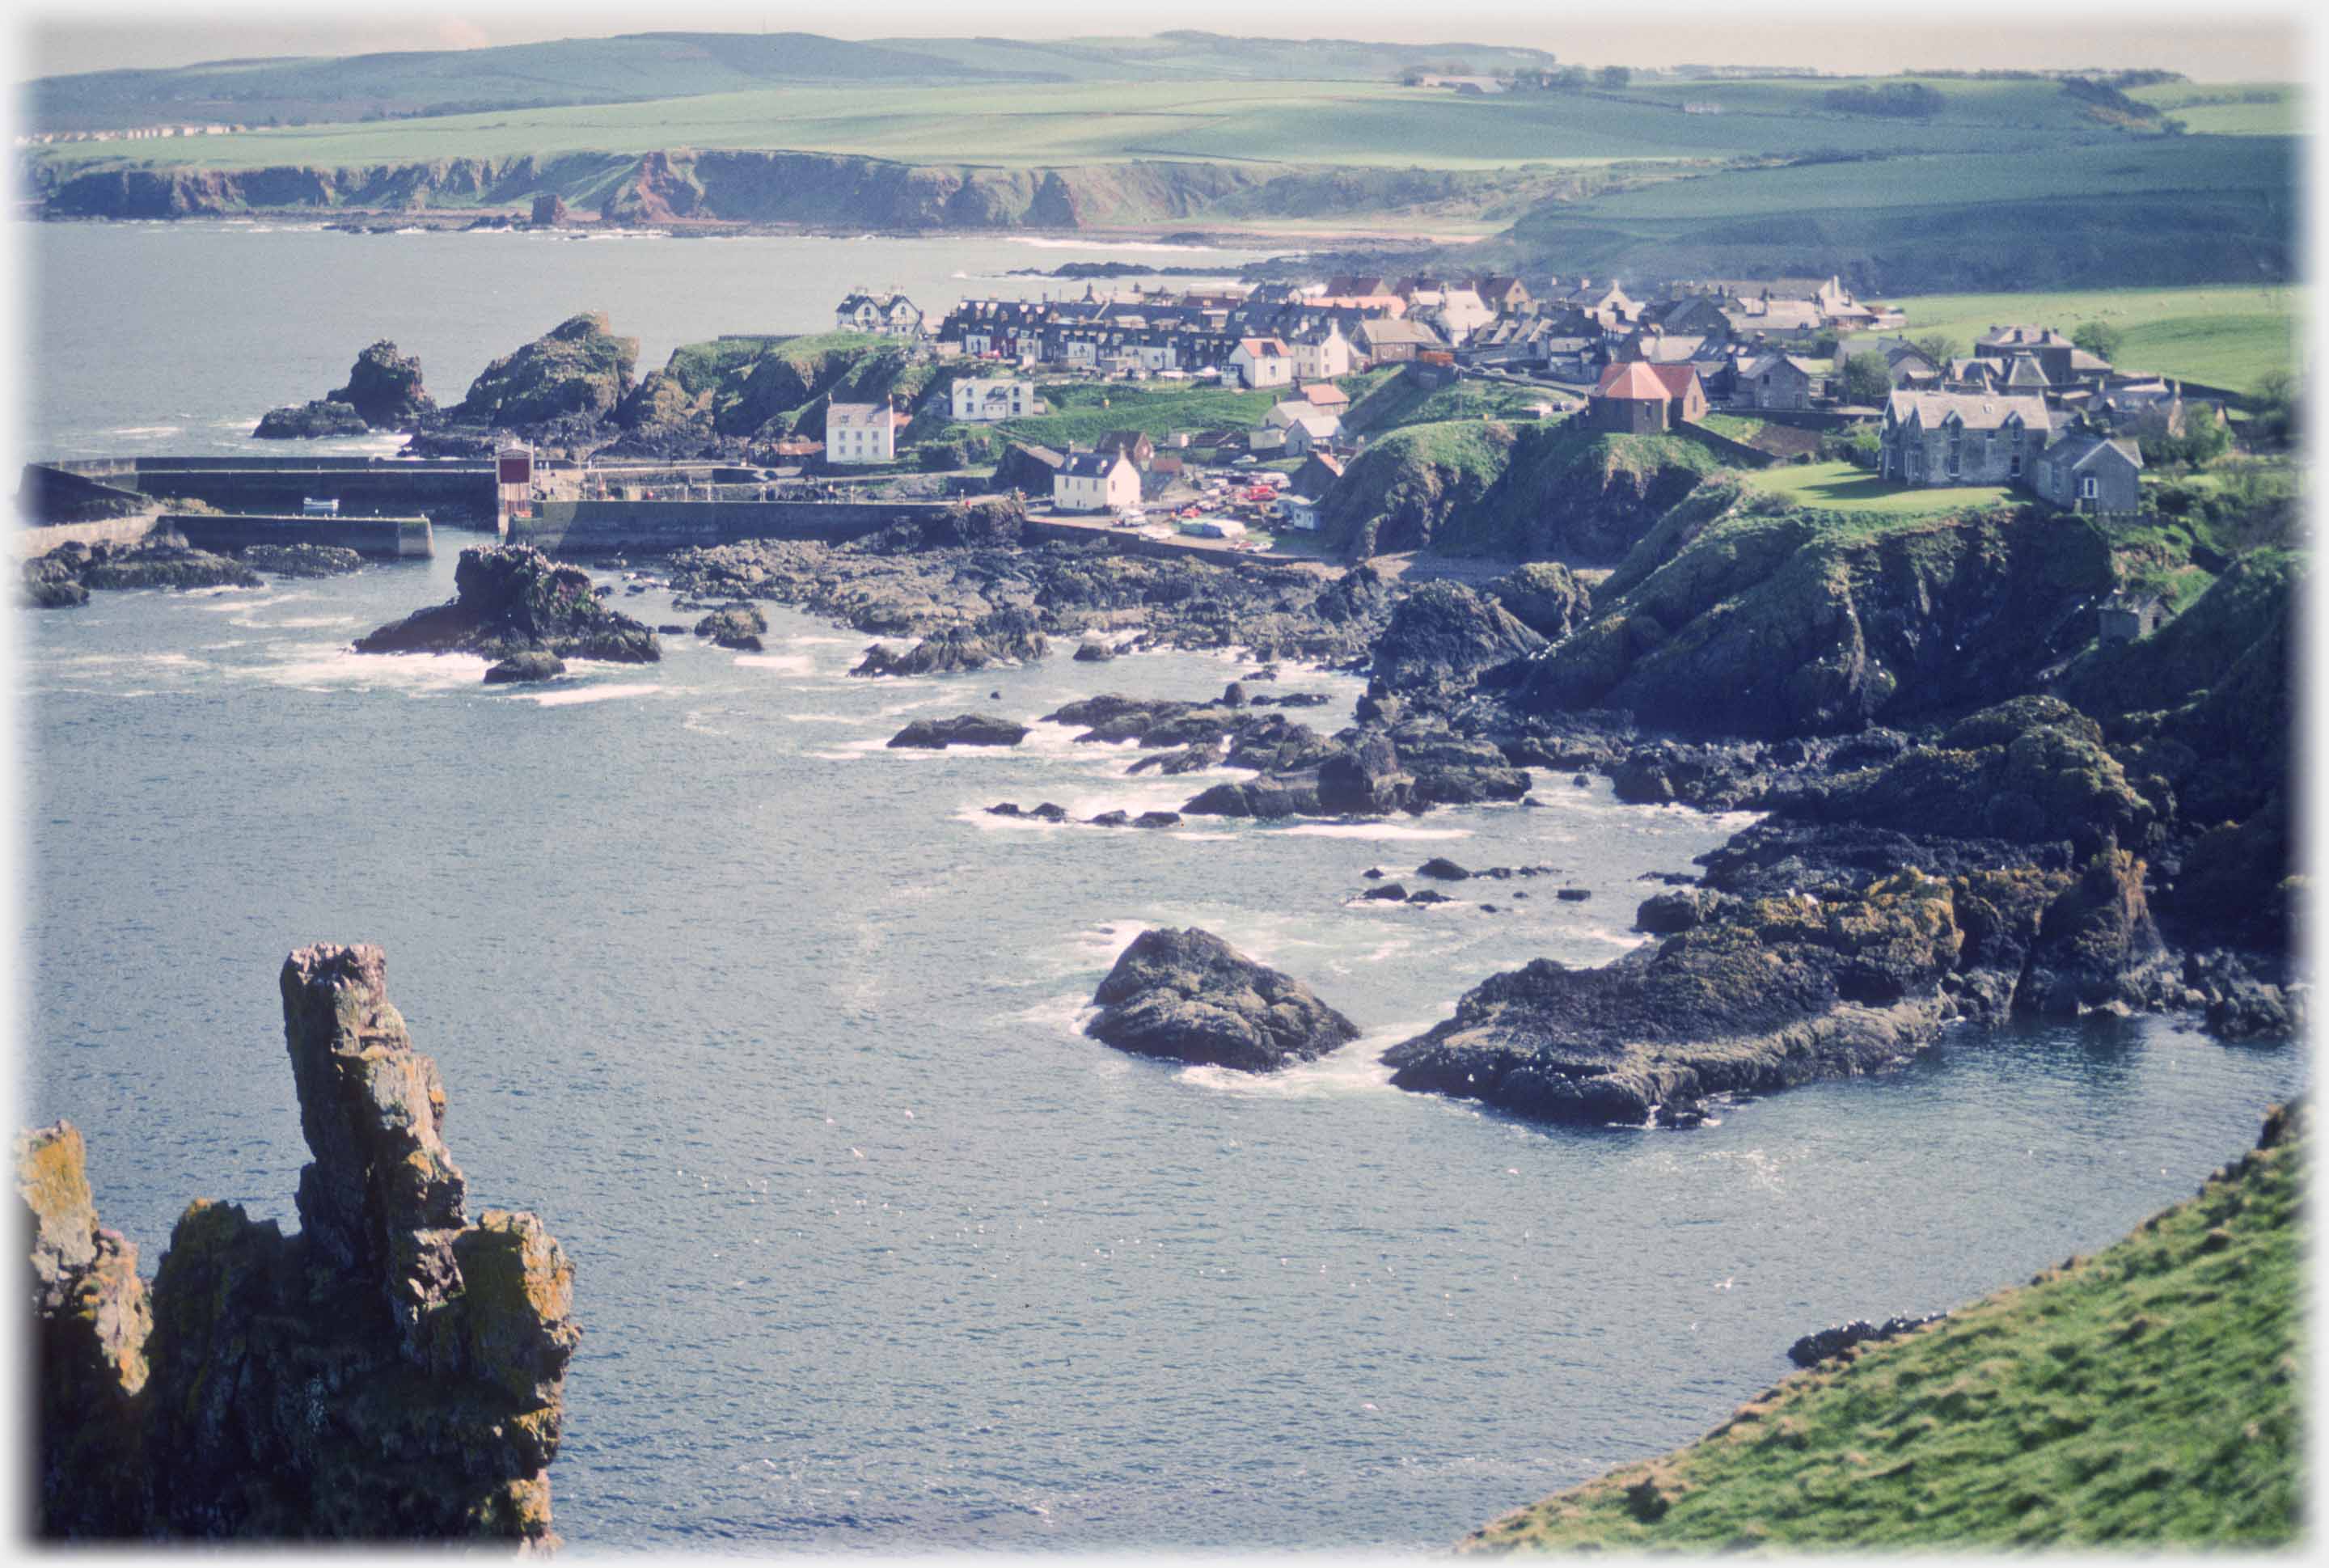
(1636, 398)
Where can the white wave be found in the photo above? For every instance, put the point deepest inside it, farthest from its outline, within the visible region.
(1354, 1069)
(1374, 830)
(149, 430)
(1044, 243)
(295, 623)
(568, 697)
(1067, 1013)
(319, 666)
(825, 718)
(239, 607)
(783, 664)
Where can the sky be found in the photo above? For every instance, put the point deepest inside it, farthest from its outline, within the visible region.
(2234, 42)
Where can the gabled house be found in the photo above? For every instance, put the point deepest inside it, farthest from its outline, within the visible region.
(1941, 439)
(893, 315)
(1096, 481)
(2085, 472)
(1311, 431)
(1321, 351)
(1779, 381)
(1389, 342)
(1262, 362)
(1324, 396)
(1636, 398)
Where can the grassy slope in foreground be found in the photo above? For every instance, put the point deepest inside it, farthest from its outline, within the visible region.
(2147, 1395)
(2223, 337)
(1842, 486)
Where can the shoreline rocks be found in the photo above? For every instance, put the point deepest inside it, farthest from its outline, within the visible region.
(1187, 996)
(962, 729)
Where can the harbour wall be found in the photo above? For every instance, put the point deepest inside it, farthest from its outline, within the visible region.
(611, 527)
(380, 538)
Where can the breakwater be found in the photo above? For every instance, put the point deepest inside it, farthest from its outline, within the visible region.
(610, 527)
(372, 486)
(389, 538)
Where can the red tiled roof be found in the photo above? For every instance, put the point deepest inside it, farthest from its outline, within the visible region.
(1640, 379)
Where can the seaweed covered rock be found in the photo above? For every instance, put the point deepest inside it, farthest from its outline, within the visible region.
(66, 574)
(301, 560)
(310, 421)
(521, 669)
(577, 367)
(513, 599)
(1190, 997)
(392, 1371)
(734, 626)
(997, 640)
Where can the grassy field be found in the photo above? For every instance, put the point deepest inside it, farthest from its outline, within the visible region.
(2231, 109)
(2226, 336)
(1846, 487)
(1364, 123)
(2147, 1396)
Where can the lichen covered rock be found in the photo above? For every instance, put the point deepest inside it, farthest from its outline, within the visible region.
(391, 1371)
(511, 599)
(1190, 997)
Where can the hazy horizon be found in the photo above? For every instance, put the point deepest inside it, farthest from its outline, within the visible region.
(2261, 45)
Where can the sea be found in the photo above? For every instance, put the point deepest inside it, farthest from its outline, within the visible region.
(779, 1030)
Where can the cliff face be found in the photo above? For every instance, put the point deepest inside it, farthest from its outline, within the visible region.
(802, 187)
(1575, 493)
(392, 1371)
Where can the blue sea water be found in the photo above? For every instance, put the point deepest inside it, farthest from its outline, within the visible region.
(779, 1031)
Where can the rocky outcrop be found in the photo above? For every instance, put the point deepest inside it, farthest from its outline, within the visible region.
(1189, 997)
(392, 1371)
(1442, 635)
(310, 421)
(1795, 624)
(1545, 597)
(384, 387)
(736, 626)
(578, 368)
(1827, 1344)
(1809, 952)
(1367, 771)
(1574, 493)
(512, 600)
(963, 729)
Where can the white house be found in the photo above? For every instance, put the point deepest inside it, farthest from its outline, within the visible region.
(1261, 361)
(1284, 413)
(1322, 355)
(1459, 313)
(980, 399)
(1311, 431)
(891, 313)
(859, 433)
(1096, 481)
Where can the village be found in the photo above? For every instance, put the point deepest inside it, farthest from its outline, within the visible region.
(1763, 371)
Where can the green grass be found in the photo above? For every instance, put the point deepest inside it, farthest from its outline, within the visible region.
(1398, 399)
(1842, 486)
(2223, 337)
(2246, 109)
(2148, 1396)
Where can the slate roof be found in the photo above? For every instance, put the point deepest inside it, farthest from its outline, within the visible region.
(1974, 411)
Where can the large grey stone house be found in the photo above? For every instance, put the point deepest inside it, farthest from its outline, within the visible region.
(1936, 438)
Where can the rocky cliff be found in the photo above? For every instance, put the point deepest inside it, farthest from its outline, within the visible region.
(513, 599)
(395, 1371)
(1577, 494)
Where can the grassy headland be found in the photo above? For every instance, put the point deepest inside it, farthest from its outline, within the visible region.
(2147, 1396)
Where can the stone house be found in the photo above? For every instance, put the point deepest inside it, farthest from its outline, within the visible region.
(860, 433)
(1940, 438)
(2125, 616)
(1134, 444)
(1386, 341)
(982, 399)
(2085, 472)
(1322, 352)
(1637, 397)
(1779, 381)
(893, 315)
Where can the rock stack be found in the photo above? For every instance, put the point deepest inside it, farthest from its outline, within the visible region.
(392, 1371)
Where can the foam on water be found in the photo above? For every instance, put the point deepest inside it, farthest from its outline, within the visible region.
(565, 697)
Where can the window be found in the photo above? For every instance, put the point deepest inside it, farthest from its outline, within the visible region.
(2089, 488)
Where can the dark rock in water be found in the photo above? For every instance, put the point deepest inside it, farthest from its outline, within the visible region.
(1050, 811)
(738, 626)
(1112, 819)
(1157, 819)
(1374, 873)
(1428, 896)
(1814, 1348)
(1294, 700)
(310, 421)
(1233, 696)
(1574, 894)
(1443, 868)
(1390, 891)
(1091, 651)
(1189, 997)
(1266, 672)
(301, 560)
(384, 388)
(160, 561)
(513, 599)
(53, 592)
(671, 629)
(962, 729)
(1193, 758)
(526, 667)
(1665, 913)
(1001, 641)
(1583, 780)
(391, 1372)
